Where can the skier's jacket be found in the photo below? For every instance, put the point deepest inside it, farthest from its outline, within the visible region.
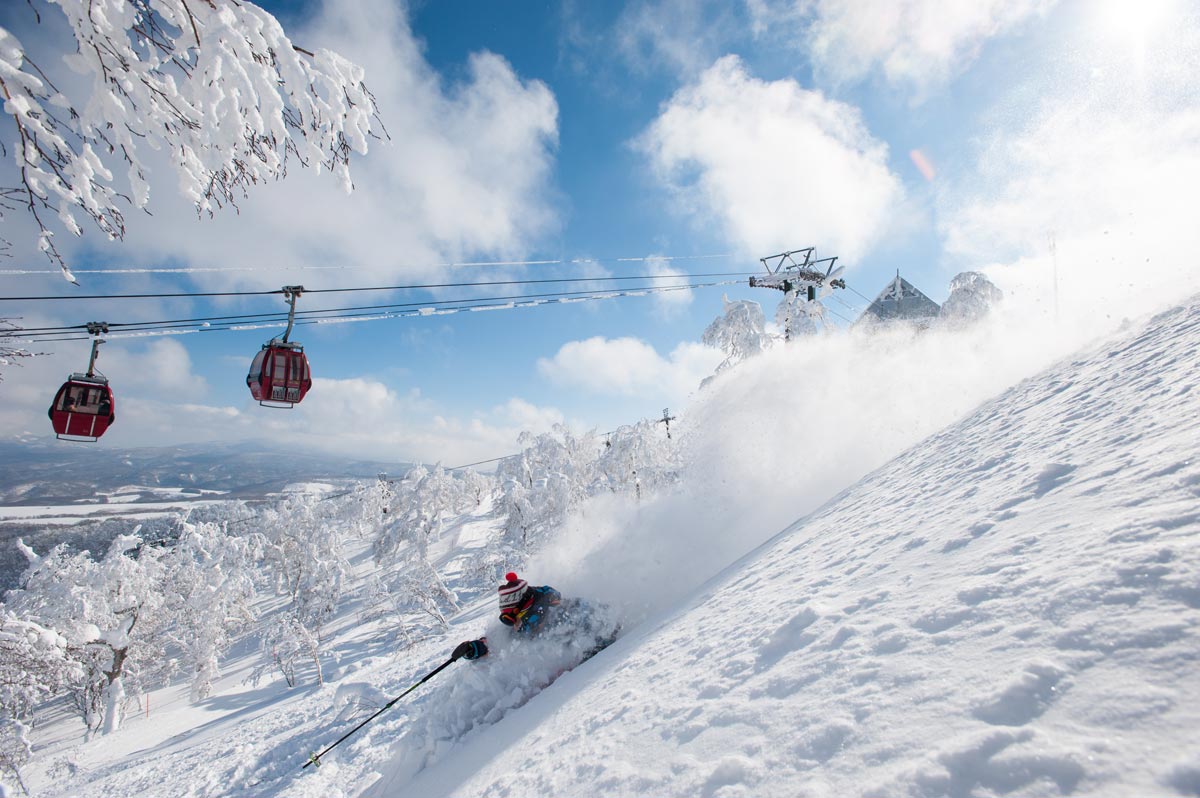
(538, 612)
(542, 609)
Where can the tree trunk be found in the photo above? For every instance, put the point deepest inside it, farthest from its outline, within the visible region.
(114, 700)
(113, 696)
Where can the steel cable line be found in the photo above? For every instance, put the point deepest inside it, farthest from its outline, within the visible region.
(839, 315)
(333, 315)
(223, 321)
(448, 265)
(422, 287)
(846, 305)
(414, 309)
(162, 270)
(865, 299)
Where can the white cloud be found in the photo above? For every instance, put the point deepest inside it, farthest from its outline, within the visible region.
(361, 417)
(775, 165)
(162, 368)
(669, 303)
(914, 44)
(630, 367)
(524, 415)
(917, 43)
(682, 35)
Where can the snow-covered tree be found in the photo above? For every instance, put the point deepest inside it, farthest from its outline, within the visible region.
(215, 86)
(740, 332)
(110, 612)
(15, 750)
(305, 553)
(141, 612)
(475, 486)
(423, 500)
(209, 592)
(434, 495)
(36, 663)
(286, 643)
(550, 477)
(638, 458)
(972, 297)
(798, 317)
(377, 500)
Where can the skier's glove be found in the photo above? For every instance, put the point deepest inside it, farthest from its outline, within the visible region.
(471, 649)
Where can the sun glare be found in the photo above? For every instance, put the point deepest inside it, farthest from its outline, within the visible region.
(1134, 22)
(1132, 27)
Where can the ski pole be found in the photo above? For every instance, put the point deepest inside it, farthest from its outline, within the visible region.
(315, 759)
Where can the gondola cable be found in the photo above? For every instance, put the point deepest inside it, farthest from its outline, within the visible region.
(447, 265)
(414, 309)
(420, 287)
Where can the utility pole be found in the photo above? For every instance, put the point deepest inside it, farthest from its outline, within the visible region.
(667, 419)
(797, 273)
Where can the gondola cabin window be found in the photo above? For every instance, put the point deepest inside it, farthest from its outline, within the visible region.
(83, 399)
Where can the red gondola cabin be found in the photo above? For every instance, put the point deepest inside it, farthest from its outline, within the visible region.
(83, 409)
(279, 375)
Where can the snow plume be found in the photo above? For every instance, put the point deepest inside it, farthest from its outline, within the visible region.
(1087, 208)
(480, 695)
(779, 435)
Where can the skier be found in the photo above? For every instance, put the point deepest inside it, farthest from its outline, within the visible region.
(531, 611)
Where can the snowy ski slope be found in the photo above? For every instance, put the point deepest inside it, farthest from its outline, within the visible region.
(1010, 608)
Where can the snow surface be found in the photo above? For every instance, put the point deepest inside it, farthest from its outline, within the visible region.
(1009, 607)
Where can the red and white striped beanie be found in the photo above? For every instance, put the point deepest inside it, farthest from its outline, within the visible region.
(513, 591)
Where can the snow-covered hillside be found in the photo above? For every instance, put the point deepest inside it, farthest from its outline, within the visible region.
(1011, 607)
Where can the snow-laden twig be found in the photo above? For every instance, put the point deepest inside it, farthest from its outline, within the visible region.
(218, 87)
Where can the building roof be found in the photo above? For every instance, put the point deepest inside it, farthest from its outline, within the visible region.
(900, 300)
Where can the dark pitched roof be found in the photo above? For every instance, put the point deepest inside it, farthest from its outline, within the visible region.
(900, 301)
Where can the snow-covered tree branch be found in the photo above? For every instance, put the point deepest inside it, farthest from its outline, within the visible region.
(10, 353)
(214, 85)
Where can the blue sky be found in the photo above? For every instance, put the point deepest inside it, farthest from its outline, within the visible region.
(589, 132)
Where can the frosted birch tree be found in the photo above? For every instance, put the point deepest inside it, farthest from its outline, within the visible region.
(215, 86)
(739, 332)
(15, 750)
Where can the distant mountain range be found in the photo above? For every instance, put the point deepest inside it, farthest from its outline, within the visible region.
(37, 472)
